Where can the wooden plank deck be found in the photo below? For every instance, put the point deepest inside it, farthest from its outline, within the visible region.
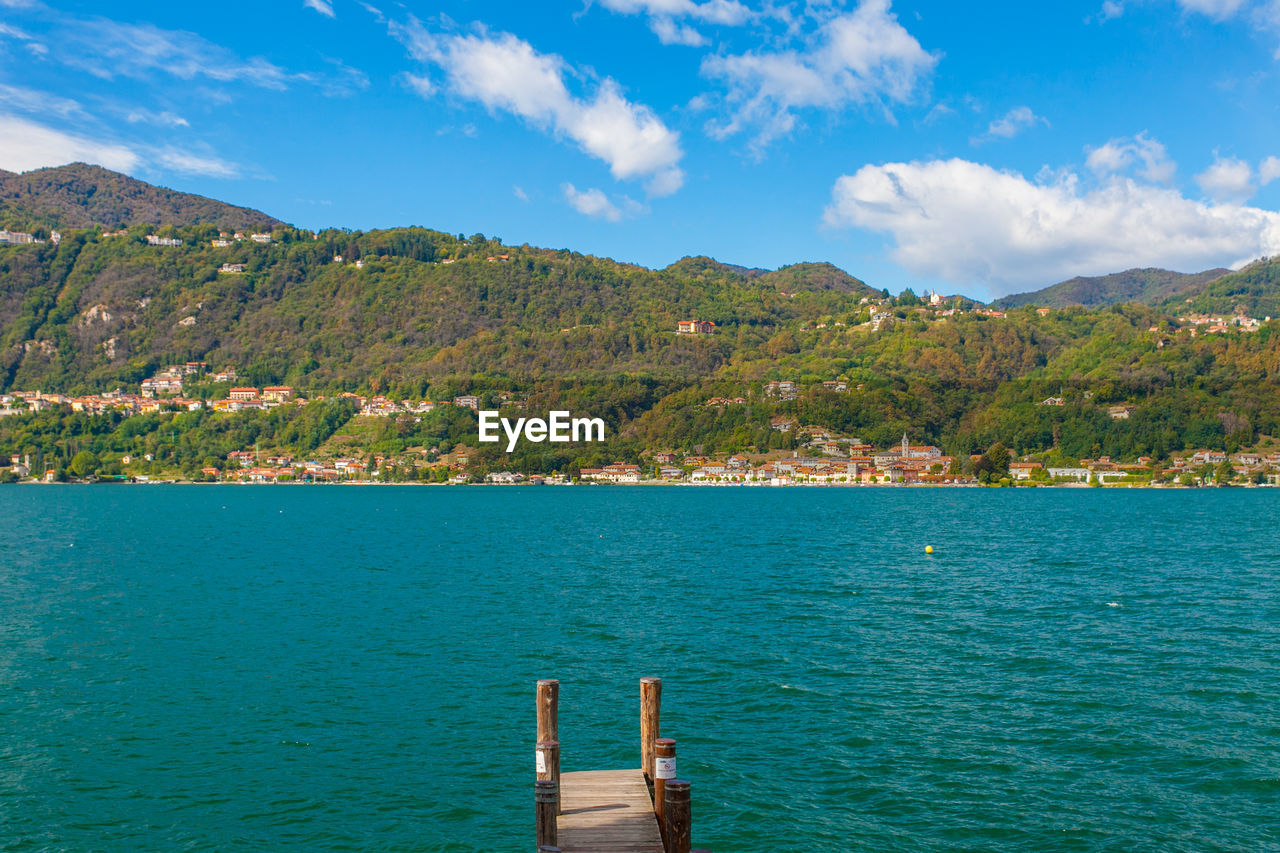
(607, 811)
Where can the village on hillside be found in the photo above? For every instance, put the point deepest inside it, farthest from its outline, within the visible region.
(819, 455)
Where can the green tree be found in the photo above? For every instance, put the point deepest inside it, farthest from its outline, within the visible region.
(84, 463)
(999, 456)
(993, 464)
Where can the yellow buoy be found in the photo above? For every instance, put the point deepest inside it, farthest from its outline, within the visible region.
(928, 549)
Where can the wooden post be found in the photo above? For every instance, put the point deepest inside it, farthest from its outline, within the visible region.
(548, 704)
(547, 758)
(677, 818)
(546, 800)
(650, 707)
(664, 768)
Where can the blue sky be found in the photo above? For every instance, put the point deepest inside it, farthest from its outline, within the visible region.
(976, 148)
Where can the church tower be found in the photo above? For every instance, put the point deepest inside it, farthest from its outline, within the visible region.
(906, 447)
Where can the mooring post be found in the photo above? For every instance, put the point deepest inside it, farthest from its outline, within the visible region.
(546, 800)
(548, 702)
(650, 708)
(547, 758)
(664, 768)
(677, 817)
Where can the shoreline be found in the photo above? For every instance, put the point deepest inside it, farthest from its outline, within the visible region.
(658, 483)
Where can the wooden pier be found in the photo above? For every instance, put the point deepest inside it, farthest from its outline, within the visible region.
(606, 810)
(643, 809)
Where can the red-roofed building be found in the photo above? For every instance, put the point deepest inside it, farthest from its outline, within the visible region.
(695, 327)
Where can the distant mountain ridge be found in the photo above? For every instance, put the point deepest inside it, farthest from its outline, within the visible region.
(816, 277)
(1148, 286)
(79, 195)
(417, 314)
(1253, 291)
(793, 278)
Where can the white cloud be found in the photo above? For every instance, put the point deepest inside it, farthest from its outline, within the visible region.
(518, 192)
(505, 73)
(163, 118)
(1228, 180)
(345, 81)
(1111, 9)
(593, 203)
(1014, 122)
(110, 49)
(324, 7)
(725, 12)
(1117, 156)
(863, 56)
(26, 145)
(1268, 170)
(666, 17)
(32, 101)
(34, 47)
(969, 224)
(419, 83)
(938, 112)
(669, 32)
(1262, 15)
(195, 164)
(13, 32)
(1219, 10)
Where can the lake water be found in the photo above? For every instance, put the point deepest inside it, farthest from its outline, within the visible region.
(333, 668)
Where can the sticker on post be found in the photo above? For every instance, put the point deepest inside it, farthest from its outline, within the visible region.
(664, 768)
(541, 761)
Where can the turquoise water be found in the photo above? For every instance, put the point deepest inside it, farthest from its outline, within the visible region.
(310, 668)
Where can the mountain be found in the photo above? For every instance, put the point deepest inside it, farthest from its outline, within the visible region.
(815, 277)
(794, 278)
(95, 311)
(80, 196)
(1253, 291)
(1145, 286)
(424, 314)
(700, 266)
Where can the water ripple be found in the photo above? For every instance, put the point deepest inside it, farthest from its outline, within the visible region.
(356, 672)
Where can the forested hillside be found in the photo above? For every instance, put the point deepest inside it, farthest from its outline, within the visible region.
(1146, 286)
(1252, 291)
(422, 314)
(80, 196)
(401, 309)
